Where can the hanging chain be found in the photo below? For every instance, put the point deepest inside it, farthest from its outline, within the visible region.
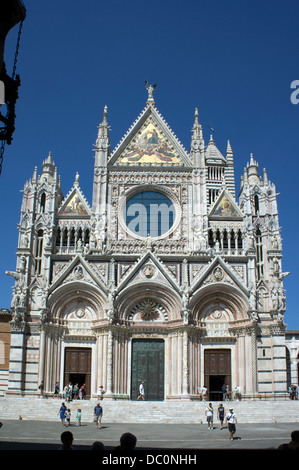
(17, 50)
(3, 142)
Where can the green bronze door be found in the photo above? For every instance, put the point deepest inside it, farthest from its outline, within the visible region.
(148, 367)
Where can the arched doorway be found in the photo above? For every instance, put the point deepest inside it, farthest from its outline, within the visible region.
(217, 371)
(77, 367)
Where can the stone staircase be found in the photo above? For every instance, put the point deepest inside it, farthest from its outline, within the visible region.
(120, 411)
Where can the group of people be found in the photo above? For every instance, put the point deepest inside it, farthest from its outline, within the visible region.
(229, 418)
(227, 393)
(70, 392)
(65, 415)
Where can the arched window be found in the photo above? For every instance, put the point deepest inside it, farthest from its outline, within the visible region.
(39, 252)
(256, 204)
(43, 202)
(259, 254)
(58, 237)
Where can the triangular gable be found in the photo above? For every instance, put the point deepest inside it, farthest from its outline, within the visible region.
(148, 268)
(225, 208)
(77, 270)
(218, 271)
(74, 205)
(150, 142)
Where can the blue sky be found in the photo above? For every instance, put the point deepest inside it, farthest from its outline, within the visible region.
(234, 60)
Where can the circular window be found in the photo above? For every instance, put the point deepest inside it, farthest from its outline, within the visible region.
(149, 214)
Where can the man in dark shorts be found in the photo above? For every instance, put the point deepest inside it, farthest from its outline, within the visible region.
(231, 421)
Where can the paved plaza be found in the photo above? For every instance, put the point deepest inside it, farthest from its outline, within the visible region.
(45, 435)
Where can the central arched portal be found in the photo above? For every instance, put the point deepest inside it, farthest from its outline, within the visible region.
(148, 367)
(217, 371)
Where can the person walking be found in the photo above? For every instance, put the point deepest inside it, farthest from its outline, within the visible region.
(220, 414)
(98, 414)
(231, 420)
(209, 414)
(141, 391)
(62, 413)
(78, 417)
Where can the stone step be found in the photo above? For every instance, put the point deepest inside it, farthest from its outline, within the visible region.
(47, 409)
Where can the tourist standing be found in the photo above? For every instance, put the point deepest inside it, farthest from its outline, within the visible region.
(204, 392)
(237, 393)
(98, 414)
(76, 391)
(56, 389)
(231, 420)
(62, 413)
(100, 392)
(41, 389)
(210, 414)
(82, 392)
(141, 391)
(78, 417)
(220, 414)
(68, 417)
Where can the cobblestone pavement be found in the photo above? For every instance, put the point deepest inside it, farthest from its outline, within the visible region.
(43, 435)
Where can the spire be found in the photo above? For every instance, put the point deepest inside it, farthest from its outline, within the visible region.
(230, 170)
(197, 129)
(252, 171)
(49, 165)
(197, 142)
(102, 146)
(103, 130)
(265, 177)
(228, 149)
(102, 155)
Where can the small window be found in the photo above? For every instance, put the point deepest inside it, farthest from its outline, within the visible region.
(256, 204)
(39, 252)
(43, 202)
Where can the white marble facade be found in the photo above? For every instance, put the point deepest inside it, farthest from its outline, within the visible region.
(100, 275)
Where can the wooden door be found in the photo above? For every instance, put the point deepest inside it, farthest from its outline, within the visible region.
(77, 367)
(217, 371)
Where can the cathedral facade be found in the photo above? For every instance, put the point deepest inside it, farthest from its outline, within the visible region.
(163, 278)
